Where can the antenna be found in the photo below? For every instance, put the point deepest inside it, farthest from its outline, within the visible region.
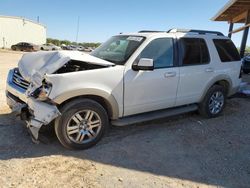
(77, 28)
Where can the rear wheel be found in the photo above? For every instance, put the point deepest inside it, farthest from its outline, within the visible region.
(214, 102)
(82, 124)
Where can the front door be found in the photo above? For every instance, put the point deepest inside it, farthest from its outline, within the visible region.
(146, 91)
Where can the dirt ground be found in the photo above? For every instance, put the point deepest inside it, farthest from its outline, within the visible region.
(183, 151)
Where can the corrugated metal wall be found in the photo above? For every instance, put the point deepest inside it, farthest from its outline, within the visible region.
(15, 29)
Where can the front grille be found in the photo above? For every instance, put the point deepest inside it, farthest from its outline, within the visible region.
(19, 80)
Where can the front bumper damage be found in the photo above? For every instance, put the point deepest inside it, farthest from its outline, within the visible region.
(39, 114)
(24, 81)
(35, 113)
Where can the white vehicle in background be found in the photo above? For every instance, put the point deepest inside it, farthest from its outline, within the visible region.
(49, 47)
(130, 78)
(88, 49)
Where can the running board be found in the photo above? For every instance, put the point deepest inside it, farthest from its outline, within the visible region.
(154, 115)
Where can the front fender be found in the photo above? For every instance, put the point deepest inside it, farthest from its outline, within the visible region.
(90, 91)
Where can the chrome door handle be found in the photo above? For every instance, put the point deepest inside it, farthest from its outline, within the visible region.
(169, 74)
(209, 70)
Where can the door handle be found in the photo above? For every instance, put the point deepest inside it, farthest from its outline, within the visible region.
(209, 70)
(169, 74)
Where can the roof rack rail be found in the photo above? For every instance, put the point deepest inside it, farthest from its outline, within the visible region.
(150, 31)
(201, 32)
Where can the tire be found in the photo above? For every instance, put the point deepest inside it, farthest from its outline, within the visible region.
(41, 48)
(206, 106)
(14, 48)
(76, 121)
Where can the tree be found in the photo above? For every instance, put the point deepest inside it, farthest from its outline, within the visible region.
(67, 42)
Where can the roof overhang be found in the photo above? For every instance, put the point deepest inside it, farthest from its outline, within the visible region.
(235, 11)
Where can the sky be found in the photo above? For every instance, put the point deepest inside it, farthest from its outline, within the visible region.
(100, 19)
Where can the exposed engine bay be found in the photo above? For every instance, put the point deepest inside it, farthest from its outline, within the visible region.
(75, 66)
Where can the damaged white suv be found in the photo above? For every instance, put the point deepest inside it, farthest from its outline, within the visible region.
(130, 78)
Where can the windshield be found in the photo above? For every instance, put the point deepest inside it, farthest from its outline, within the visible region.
(118, 48)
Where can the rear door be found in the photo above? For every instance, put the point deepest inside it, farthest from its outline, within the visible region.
(196, 69)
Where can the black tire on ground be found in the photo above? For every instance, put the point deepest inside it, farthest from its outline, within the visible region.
(68, 111)
(204, 108)
(14, 48)
(41, 48)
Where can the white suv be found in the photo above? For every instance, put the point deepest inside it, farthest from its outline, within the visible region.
(130, 78)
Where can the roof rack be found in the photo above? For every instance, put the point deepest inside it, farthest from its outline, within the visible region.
(150, 31)
(200, 32)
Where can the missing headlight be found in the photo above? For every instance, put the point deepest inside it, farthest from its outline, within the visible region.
(42, 92)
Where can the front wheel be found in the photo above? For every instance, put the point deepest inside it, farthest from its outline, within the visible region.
(82, 124)
(214, 102)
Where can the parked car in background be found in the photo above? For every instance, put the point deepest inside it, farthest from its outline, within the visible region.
(64, 47)
(49, 47)
(246, 64)
(25, 46)
(88, 49)
(80, 48)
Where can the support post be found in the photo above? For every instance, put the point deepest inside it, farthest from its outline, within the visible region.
(231, 26)
(244, 37)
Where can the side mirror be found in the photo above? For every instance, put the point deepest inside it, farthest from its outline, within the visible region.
(144, 64)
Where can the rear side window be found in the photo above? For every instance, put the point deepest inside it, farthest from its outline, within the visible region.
(226, 50)
(195, 51)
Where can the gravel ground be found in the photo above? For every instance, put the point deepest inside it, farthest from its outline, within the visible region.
(183, 151)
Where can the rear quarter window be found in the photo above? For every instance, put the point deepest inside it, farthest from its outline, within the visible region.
(226, 50)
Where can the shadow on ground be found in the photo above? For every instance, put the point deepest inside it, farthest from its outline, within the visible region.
(214, 151)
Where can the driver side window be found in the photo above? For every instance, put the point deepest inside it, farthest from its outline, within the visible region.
(161, 51)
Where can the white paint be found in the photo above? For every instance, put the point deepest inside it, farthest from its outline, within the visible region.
(134, 91)
(49, 62)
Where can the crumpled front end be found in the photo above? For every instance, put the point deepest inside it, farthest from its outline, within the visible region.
(35, 112)
(28, 90)
(39, 114)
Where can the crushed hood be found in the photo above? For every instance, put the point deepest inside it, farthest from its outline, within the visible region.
(33, 66)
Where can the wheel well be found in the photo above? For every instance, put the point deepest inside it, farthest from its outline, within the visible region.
(224, 84)
(105, 104)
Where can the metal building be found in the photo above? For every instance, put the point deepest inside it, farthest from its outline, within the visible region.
(17, 29)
